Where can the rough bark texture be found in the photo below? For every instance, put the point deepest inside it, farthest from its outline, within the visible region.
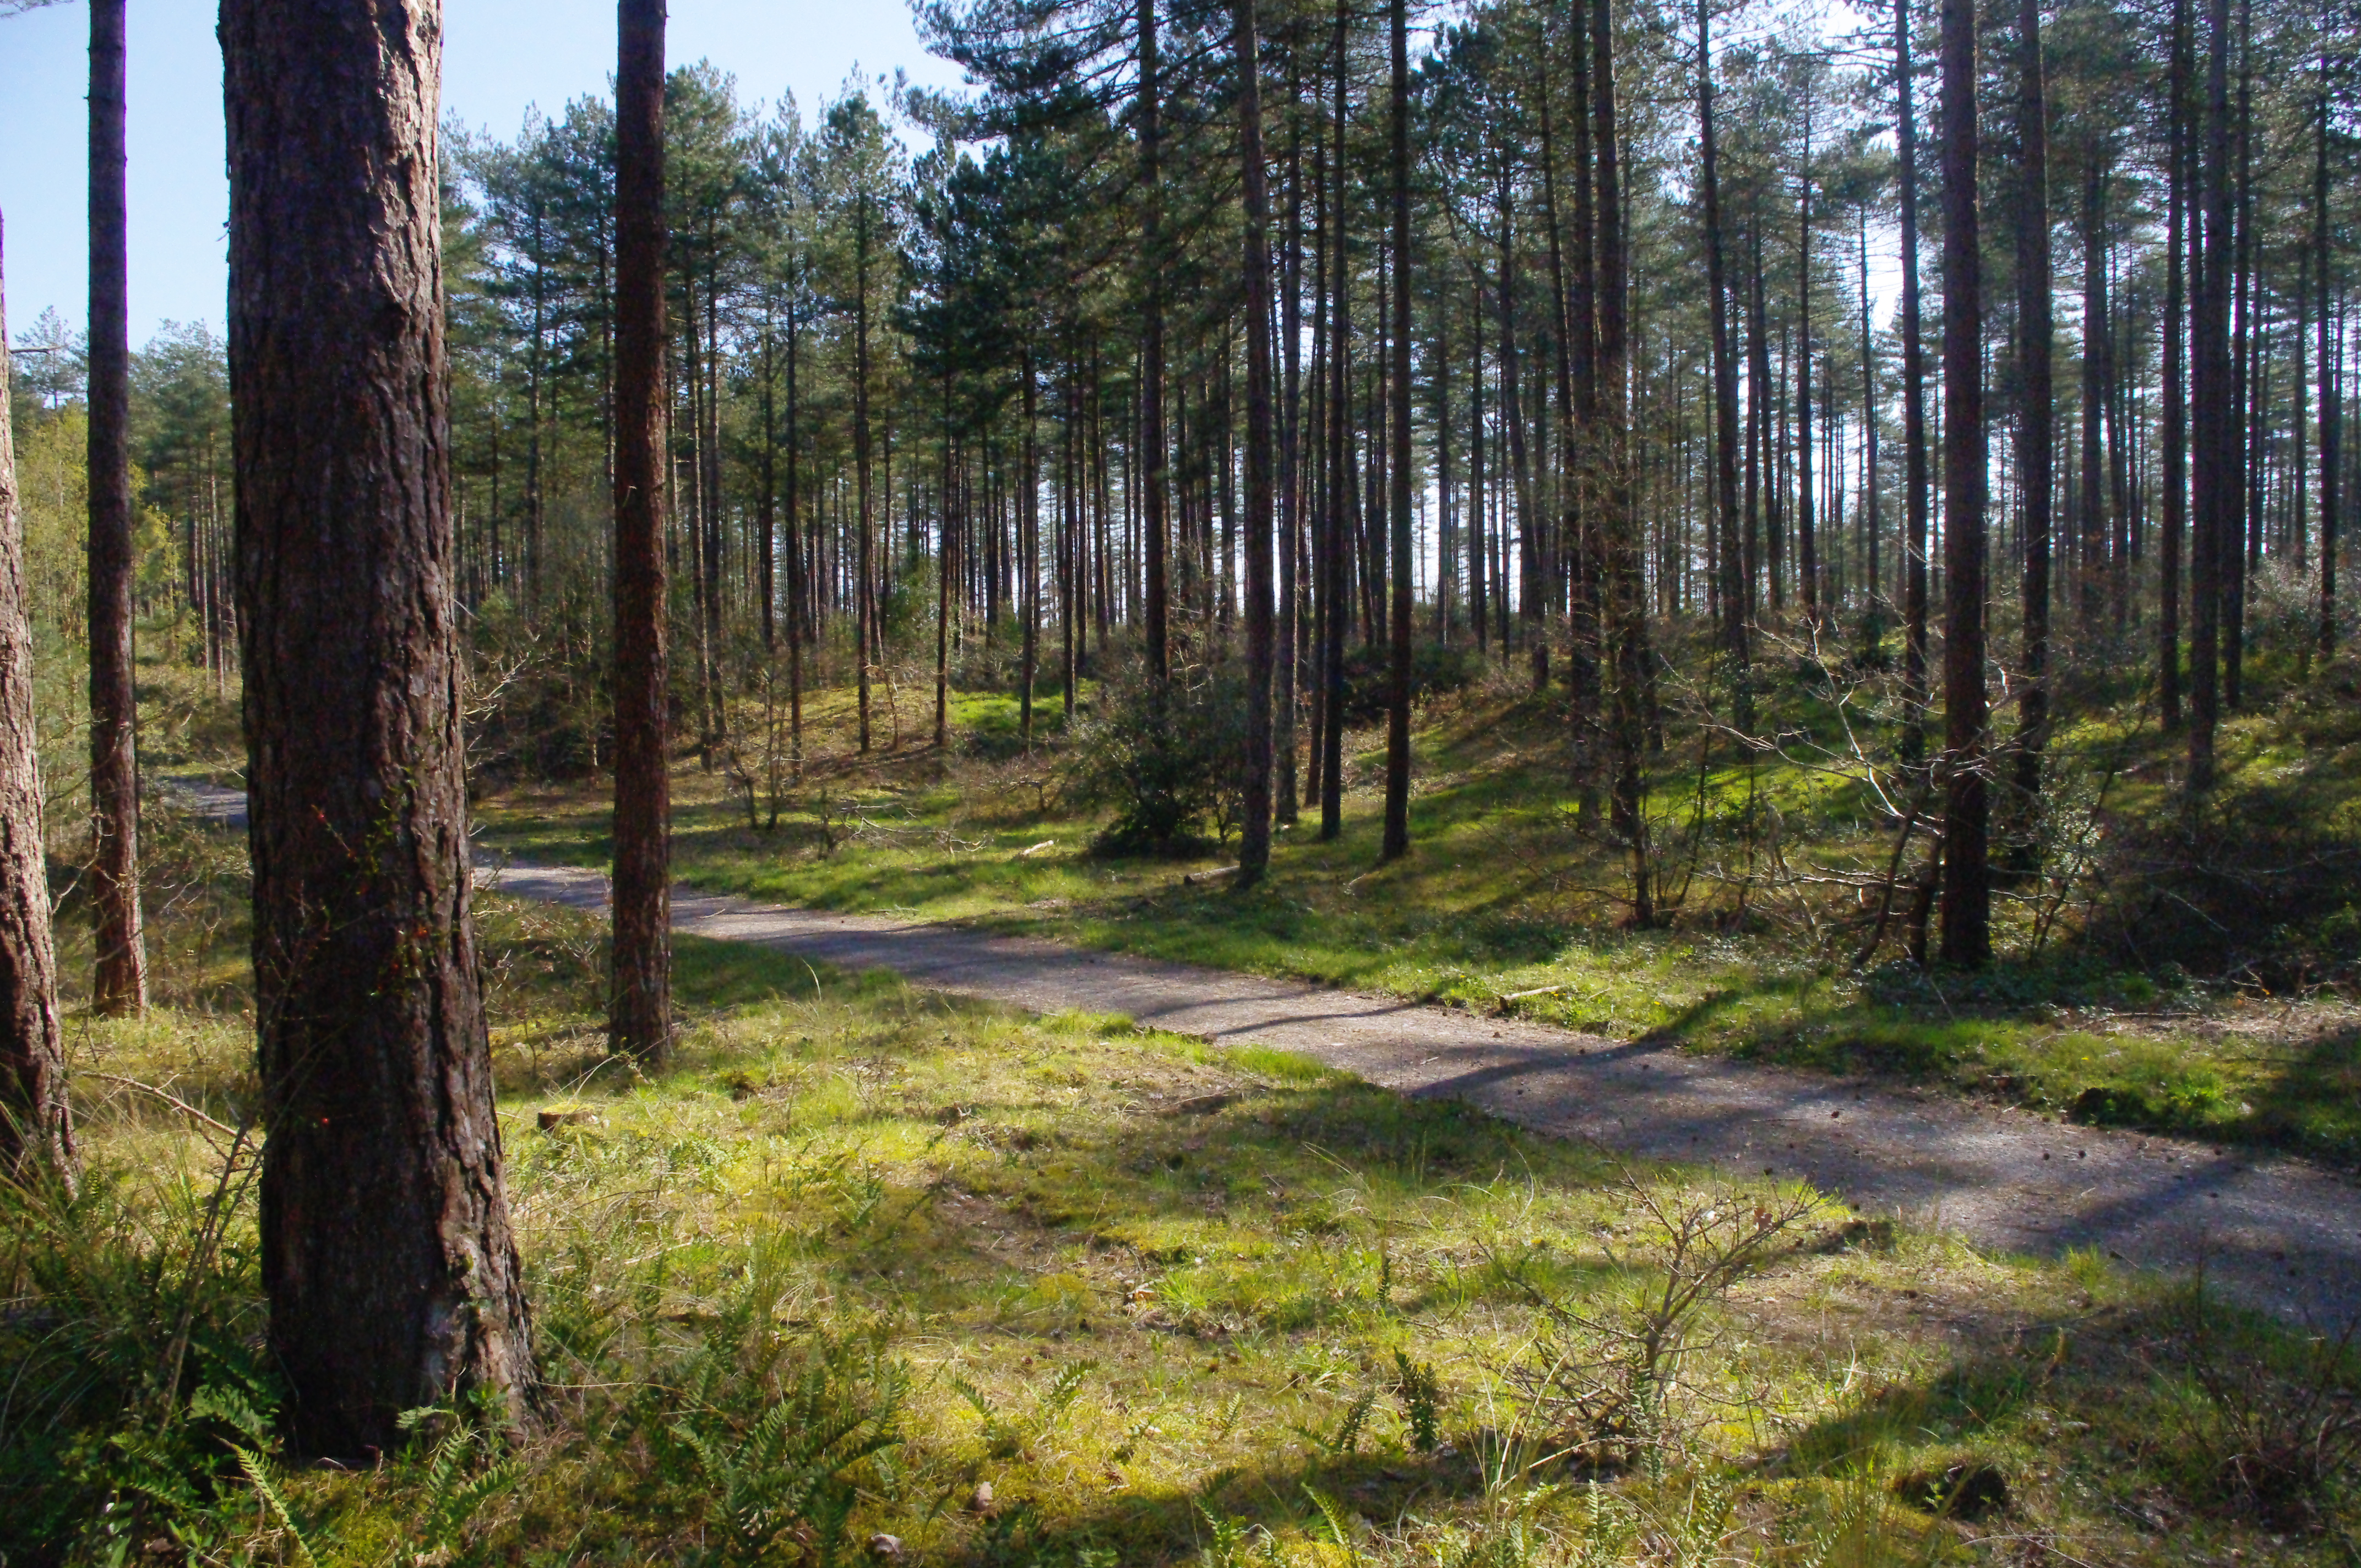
(1967, 883)
(34, 1119)
(386, 1249)
(120, 985)
(1396, 838)
(1254, 847)
(639, 1015)
(2331, 388)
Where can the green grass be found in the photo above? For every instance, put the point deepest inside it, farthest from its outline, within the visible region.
(1507, 892)
(1151, 1293)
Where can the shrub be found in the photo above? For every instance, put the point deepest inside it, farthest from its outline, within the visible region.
(1169, 761)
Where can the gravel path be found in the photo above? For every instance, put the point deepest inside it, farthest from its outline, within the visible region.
(2278, 1233)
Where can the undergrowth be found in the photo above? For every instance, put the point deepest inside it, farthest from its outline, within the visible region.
(873, 1275)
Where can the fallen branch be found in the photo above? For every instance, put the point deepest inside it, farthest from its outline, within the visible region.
(1192, 878)
(1044, 844)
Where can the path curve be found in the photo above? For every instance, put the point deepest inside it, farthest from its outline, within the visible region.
(2279, 1234)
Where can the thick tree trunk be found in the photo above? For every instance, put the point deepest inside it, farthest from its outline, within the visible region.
(2037, 419)
(1254, 847)
(1967, 885)
(386, 1250)
(1396, 838)
(639, 1009)
(120, 986)
(35, 1125)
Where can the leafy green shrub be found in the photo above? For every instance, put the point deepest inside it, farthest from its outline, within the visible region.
(1170, 760)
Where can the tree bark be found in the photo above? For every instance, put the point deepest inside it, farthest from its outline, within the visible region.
(120, 985)
(387, 1255)
(1396, 836)
(1728, 558)
(36, 1122)
(1626, 610)
(1254, 847)
(1339, 507)
(2210, 429)
(639, 1009)
(2174, 523)
(1967, 885)
(2036, 441)
(1151, 377)
(2331, 390)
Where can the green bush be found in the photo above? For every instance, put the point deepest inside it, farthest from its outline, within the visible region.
(1169, 760)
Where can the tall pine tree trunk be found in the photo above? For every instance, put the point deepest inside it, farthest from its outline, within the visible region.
(2211, 429)
(1253, 849)
(2037, 419)
(1153, 524)
(1396, 838)
(639, 1007)
(1967, 883)
(35, 1125)
(386, 1251)
(2175, 456)
(120, 986)
(1729, 555)
(1627, 611)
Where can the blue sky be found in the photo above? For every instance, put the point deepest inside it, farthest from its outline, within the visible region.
(499, 56)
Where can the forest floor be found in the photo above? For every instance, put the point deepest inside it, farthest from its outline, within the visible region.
(1108, 1295)
(1509, 904)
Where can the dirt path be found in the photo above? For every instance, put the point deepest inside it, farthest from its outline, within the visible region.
(2278, 1233)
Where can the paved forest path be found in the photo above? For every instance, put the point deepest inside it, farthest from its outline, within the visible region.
(2278, 1233)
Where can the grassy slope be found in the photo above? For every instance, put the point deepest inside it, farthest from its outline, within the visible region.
(1136, 1286)
(1505, 893)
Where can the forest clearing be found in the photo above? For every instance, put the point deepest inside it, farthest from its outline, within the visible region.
(1306, 784)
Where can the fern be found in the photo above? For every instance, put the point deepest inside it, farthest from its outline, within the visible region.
(1340, 1524)
(258, 1475)
(1346, 1439)
(787, 1475)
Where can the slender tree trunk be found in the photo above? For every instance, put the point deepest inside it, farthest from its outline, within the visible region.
(1254, 847)
(2092, 510)
(638, 1008)
(865, 620)
(1340, 500)
(1292, 471)
(1151, 377)
(36, 1122)
(1729, 557)
(2210, 429)
(386, 1252)
(1807, 549)
(120, 987)
(2174, 389)
(2037, 420)
(1397, 838)
(1028, 556)
(1627, 608)
(1967, 885)
(2330, 374)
